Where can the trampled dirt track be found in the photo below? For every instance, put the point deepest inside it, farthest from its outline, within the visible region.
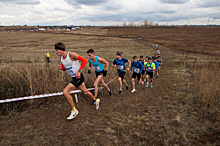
(166, 114)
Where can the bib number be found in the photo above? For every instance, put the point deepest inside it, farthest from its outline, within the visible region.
(71, 73)
(136, 70)
(97, 68)
(120, 67)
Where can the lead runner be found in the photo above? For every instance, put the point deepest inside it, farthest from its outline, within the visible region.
(70, 63)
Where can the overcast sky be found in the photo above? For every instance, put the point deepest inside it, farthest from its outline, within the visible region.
(109, 12)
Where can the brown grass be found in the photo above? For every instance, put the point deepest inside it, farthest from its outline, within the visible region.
(206, 87)
(25, 79)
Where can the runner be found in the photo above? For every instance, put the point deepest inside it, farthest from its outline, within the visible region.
(138, 67)
(120, 63)
(158, 52)
(149, 67)
(156, 46)
(70, 63)
(97, 64)
(159, 60)
(156, 66)
(146, 60)
(143, 71)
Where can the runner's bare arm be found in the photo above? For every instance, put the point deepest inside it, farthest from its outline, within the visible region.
(105, 62)
(61, 67)
(73, 56)
(129, 65)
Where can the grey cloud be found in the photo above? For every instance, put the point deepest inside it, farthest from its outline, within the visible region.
(107, 7)
(174, 1)
(86, 2)
(207, 4)
(130, 16)
(22, 2)
(167, 11)
(115, 17)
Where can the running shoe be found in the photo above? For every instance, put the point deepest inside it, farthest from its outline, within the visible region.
(73, 114)
(133, 90)
(97, 104)
(151, 85)
(110, 92)
(93, 101)
(156, 76)
(147, 84)
(127, 87)
(120, 91)
(144, 80)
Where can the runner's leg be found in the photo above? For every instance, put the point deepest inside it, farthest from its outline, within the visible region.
(147, 83)
(146, 77)
(158, 70)
(104, 84)
(82, 87)
(66, 93)
(124, 81)
(151, 80)
(133, 83)
(97, 81)
(120, 83)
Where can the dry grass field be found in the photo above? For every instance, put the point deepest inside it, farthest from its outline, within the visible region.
(181, 109)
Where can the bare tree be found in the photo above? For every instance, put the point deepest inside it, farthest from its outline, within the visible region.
(145, 22)
(131, 23)
(124, 24)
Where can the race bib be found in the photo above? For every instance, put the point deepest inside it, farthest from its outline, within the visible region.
(120, 67)
(71, 72)
(136, 70)
(97, 68)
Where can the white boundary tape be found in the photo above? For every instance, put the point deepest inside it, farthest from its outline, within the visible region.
(41, 96)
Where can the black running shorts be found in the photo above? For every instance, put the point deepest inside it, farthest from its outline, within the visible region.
(151, 74)
(121, 75)
(134, 75)
(77, 82)
(99, 73)
(143, 72)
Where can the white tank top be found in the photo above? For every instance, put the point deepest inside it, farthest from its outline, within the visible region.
(158, 51)
(71, 66)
